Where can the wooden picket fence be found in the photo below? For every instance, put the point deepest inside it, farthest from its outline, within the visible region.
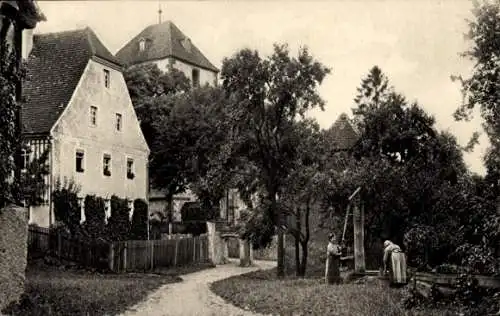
(38, 240)
(144, 255)
(43, 241)
(123, 256)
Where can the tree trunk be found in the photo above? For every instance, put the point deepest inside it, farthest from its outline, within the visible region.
(281, 254)
(305, 242)
(281, 240)
(359, 247)
(297, 242)
(170, 212)
(303, 263)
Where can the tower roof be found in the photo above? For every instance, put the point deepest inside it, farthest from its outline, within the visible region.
(161, 41)
(343, 133)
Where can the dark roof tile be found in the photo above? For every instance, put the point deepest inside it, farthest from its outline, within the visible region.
(343, 133)
(54, 68)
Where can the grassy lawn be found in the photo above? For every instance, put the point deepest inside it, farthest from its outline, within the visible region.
(53, 292)
(261, 292)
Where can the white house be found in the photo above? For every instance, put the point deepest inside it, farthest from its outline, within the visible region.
(78, 108)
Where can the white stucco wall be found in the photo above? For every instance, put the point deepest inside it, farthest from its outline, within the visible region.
(74, 131)
(206, 76)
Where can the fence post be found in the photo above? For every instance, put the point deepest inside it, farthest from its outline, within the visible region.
(152, 254)
(176, 248)
(112, 256)
(59, 245)
(194, 249)
(125, 257)
(200, 257)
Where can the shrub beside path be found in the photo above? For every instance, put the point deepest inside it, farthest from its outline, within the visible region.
(193, 297)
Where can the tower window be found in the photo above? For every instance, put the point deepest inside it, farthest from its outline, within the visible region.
(142, 45)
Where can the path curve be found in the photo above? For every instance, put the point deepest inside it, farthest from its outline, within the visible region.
(193, 297)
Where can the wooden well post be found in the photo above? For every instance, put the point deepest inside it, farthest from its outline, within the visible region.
(359, 232)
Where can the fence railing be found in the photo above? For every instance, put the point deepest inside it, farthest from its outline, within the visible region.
(38, 240)
(123, 256)
(142, 255)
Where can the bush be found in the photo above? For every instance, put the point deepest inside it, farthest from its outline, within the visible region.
(469, 298)
(478, 258)
(419, 241)
(139, 226)
(94, 217)
(118, 227)
(66, 207)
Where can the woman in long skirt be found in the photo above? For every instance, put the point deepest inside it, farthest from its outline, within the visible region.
(396, 260)
(333, 253)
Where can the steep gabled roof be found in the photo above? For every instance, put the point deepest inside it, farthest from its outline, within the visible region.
(162, 41)
(343, 133)
(55, 67)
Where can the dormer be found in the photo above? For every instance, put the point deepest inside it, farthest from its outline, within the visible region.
(142, 44)
(186, 43)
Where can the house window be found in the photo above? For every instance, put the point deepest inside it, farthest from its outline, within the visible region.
(196, 77)
(106, 78)
(118, 122)
(79, 160)
(93, 115)
(130, 168)
(25, 158)
(106, 165)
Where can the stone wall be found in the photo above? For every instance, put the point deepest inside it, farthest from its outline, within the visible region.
(216, 246)
(13, 253)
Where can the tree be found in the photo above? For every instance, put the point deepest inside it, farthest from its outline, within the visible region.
(66, 207)
(373, 91)
(481, 89)
(95, 216)
(139, 225)
(266, 96)
(151, 90)
(118, 225)
(10, 76)
(188, 139)
(301, 187)
(153, 93)
(411, 175)
(182, 127)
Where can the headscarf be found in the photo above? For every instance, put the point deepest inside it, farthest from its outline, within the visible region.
(387, 243)
(331, 235)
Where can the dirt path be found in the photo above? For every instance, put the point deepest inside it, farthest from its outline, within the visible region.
(192, 297)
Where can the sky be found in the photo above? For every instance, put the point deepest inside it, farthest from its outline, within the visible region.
(415, 42)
